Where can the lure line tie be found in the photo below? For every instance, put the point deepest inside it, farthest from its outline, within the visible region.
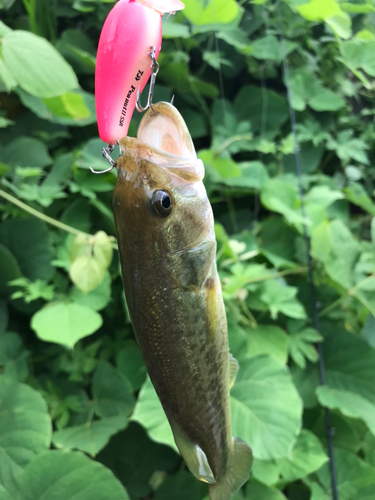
(106, 153)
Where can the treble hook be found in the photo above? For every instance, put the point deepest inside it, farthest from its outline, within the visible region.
(154, 72)
(106, 153)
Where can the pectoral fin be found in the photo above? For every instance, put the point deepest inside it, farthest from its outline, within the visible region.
(195, 458)
(233, 370)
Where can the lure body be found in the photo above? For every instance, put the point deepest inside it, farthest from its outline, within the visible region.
(123, 65)
(174, 295)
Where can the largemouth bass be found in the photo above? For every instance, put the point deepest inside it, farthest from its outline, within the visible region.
(167, 245)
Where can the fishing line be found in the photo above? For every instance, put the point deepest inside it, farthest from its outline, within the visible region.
(314, 303)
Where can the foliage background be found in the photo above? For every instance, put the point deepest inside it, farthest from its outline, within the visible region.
(77, 414)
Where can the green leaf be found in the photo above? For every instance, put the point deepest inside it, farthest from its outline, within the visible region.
(112, 392)
(91, 258)
(341, 25)
(334, 245)
(13, 358)
(308, 455)
(350, 373)
(326, 100)
(6, 76)
(356, 194)
(173, 29)
(265, 471)
(253, 175)
(150, 414)
(281, 298)
(279, 196)
(329, 11)
(350, 404)
(249, 105)
(359, 53)
(9, 270)
(26, 152)
(267, 339)
(323, 196)
(10, 474)
(28, 56)
(369, 448)
(4, 29)
(265, 48)
(306, 381)
(348, 148)
(65, 323)
(129, 362)
(40, 108)
(91, 437)
(258, 491)
(306, 89)
(266, 408)
(185, 484)
(301, 346)
(142, 459)
(96, 299)
(33, 254)
(86, 273)
(355, 478)
(69, 475)
(213, 12)
(277, 242)
(25, 424)
(68, 105)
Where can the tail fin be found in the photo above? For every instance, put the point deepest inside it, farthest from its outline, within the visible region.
(237, 473)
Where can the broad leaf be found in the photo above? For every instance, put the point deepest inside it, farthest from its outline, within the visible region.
(65, 323)
(13, 358)
(213, 12)
(112, 392)
(26, 152)
(25, 425)
(64, 476)
(91, 437)
(150, 414)
(355, 478)
(29, 242)
(267, 339)
(258, 491)
(308, 455)
(142, 459)
(350, 375)
(28, 56)
(266, 408)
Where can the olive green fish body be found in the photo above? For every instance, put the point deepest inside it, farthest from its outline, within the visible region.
(174, 294)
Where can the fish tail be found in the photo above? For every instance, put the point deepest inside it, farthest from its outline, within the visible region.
(237, 473)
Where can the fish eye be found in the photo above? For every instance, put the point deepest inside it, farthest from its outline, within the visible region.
(161, 202)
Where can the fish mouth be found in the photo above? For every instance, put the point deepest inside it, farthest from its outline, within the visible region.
(164, 139)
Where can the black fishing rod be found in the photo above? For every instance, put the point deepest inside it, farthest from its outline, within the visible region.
(314, 302)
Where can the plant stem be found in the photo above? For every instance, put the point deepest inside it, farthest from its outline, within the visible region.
(45, 218)
(280, 274)
(231, 140)
(41, 216)
(351, 292)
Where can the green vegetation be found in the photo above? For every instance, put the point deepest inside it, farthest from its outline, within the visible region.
(78, 416)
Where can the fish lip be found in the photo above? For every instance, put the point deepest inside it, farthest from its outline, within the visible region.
(186, 168)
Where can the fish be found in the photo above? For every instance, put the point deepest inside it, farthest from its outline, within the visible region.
(166, 240)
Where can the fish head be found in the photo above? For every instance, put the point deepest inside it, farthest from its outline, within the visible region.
(160, 202)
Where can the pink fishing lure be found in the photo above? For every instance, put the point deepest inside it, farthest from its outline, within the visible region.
(123, 65)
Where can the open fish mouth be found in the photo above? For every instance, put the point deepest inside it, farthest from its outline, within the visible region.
(164, 139)
(164, 128)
